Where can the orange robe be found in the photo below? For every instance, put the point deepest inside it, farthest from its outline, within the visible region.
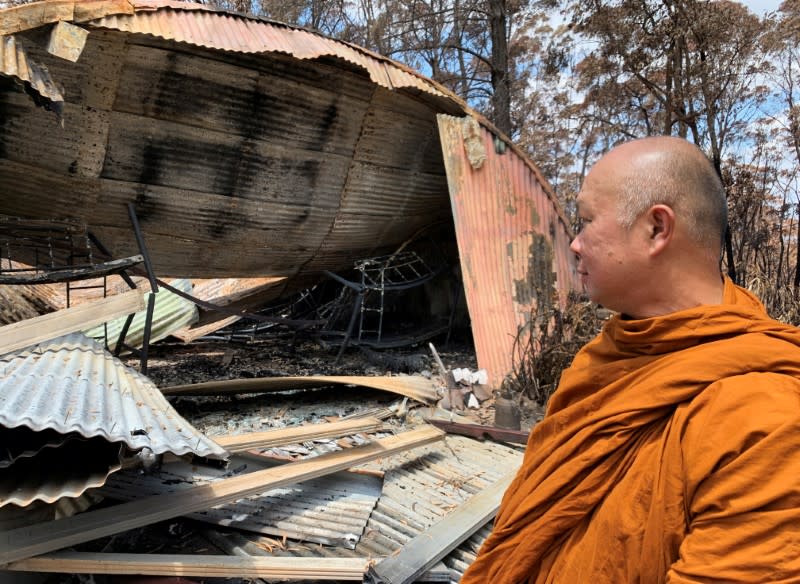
(669, 453)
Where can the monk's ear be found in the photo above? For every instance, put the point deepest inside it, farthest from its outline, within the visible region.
(661, 226)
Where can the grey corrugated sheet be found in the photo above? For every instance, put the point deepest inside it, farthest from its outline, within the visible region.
(171, 313)
(71, 384)
(73, 387)
(331, 510)
(420, 488)
(15, 63)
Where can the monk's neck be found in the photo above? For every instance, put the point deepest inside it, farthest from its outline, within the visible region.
(680, 295)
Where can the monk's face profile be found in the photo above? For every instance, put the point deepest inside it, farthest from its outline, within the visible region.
(652, 214)
(609, 258)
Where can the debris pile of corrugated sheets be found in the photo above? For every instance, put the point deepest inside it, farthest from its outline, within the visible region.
(402, 502)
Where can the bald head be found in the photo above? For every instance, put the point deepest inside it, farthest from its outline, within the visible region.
(674, 172)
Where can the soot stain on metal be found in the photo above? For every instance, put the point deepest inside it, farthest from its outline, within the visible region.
(326, 126)
(541, 280)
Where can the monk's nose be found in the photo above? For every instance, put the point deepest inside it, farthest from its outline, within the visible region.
(575, 246)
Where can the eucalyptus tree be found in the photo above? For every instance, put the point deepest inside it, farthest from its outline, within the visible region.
(674, 67)
(782, 43)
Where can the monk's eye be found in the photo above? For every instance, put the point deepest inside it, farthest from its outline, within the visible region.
(581, 223)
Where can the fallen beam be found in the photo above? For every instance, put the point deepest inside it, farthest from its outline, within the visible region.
(481, 432)
(414, 386)
(427, 548)
(294, 434)
(49, 326)
(24, 542)
(68, 274)
(279, 568)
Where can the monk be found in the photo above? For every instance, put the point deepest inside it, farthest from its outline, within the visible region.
(670, 451)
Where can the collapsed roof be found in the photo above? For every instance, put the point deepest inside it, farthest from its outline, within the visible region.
(246, 147)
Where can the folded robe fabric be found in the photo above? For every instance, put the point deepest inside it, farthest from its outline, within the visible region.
(669, 453)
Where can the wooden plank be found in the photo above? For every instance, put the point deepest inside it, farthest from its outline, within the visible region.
(24, 542)
(427, 548)
(240, 565)
(294, 434)
(49, 326)
(413, 386)
(289, 568)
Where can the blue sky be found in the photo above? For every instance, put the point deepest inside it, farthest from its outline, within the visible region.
(761, 6)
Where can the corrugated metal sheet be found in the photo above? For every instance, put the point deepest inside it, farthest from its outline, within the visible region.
(171, 313)
(513, 243)
(71, 384)
(239, 163)
(420, 488)
(15, 63)
(331, 510)
(68, 410)
(195, 24)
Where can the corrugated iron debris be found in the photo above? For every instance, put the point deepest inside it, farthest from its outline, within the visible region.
(325, 194)
(68, 401)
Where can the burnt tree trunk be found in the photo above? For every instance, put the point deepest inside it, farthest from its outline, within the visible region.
(501, 93)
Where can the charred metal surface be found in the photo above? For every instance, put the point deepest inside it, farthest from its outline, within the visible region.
(281, 153)
(540, 283)
(513, 243)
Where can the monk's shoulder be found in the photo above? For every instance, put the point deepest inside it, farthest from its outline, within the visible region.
(733, 414)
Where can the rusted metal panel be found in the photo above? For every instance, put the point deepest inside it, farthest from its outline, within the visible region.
(513, 243)
(27, 16)
(15, 63)
(293, 160)
(195, 24)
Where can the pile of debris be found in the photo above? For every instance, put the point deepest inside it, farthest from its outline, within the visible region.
(300, 487)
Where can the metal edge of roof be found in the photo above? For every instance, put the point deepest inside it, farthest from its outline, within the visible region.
(171, 313)
(255, 34)
(382, 70)
(15, 63)
(71, 384)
